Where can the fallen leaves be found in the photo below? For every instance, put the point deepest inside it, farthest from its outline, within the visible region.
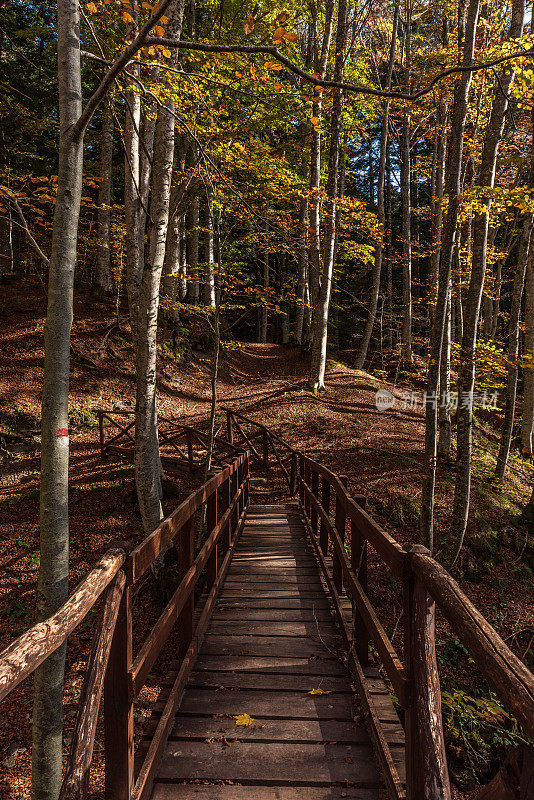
(318, 691)
(243, 719)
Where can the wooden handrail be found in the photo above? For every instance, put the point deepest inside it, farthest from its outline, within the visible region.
(426, 585)
(511, 679)
(26, 653)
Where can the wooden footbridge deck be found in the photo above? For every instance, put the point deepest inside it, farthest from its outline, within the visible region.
(283, 679)
(272, 652)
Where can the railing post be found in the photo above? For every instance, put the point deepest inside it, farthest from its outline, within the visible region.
(315, 492)
(307, 501)
(234, 518)
(427, 776)
(325, 503)
(230, 427)
(358, 554)
(265, 448)
(211, 522)
(340, 524)
(293, 478)
(118, 707)
(190, 450)
(301, 478)
(225, 505)
(246, 468)
(186, 555)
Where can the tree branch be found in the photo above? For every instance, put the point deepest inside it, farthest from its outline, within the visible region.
(349, 87)
(23, 225)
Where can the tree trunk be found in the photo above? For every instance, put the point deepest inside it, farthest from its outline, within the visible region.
(132, 202)
(452, 192)
(527, 423)
(315, 160)
(444, 440)
(302, 267)
(169, 284)
(266, 282)
(147, 463)
(103, 276)
(466, 375)
(437, 205)
(192, 249)
(320, 324)
(209, 279)
(381, 211)
(406, 180)
(514, 333)
(52, 587)
(389, 255)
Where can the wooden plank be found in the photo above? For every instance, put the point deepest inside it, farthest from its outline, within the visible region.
(278, 665)
(283, 705)
(289, 602)
(165, 791)
(240, 592)
(275, 580)
(269, 614)
(276, 628)
(293, 647)
(298, 764)
(276, 730)
(265, 682)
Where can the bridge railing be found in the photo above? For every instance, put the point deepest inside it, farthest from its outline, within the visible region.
(337, 522)
(182, 445)
(335, 518)
(112, 668)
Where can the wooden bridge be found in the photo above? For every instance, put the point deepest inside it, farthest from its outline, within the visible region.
(283, 676)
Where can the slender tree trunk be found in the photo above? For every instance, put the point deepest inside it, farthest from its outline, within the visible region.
(320, 332)
(52, 587)
(437, 205)
(527, 423)
(444, 440)
(103, 276)
(192, 248)
(302, 267)
(209, 280)
(381, 211)
(132, 201)
(171, 270)
(147, 463)
(315, 160)
(406, 180)
(452, 193)
(466, 375)
(266, 282)
(514, 332)
(389, 255)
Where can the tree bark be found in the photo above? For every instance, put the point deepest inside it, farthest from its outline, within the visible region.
(320, 323)
(103, 276)
(381, 211)
(527, 423)
(192, 249)
(445, 433)
(406, 331)
(452, 192)
(52, 588)
(514, 333)
(466, 375)
(302, 268)
(147, 463)
(209, 279)
(266, 282)
(132, 201)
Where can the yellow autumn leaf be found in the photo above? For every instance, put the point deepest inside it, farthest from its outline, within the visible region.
(243, 719)
(274, 65)
(239, 74)
(126, 17)
(318, 691)
(166, 52)
(159, 31)
(314, 120)
(164, 20)
(91, 8)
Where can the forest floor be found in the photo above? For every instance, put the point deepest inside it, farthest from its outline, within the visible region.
(380, 452)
